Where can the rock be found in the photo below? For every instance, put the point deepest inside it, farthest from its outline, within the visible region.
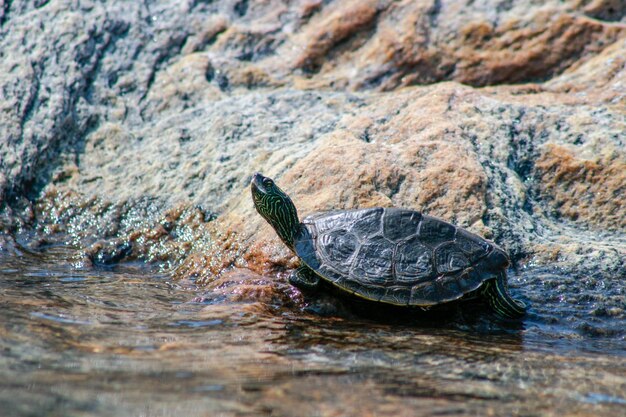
(83, 65)
(480, 158)
(143, 124)
(584, 185)
(387, 45)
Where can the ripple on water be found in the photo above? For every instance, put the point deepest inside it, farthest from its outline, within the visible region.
(597, 398)
(197, 323)
(58, 318)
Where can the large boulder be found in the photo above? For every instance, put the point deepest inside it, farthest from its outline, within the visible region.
(134, 130)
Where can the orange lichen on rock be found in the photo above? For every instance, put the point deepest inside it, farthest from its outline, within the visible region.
(515, 51)
(601, 78)
(364, 45)
(584, 190)
(335, 26)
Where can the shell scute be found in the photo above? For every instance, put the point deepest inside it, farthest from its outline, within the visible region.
(473, 246)
(413, 261)
(397, 295)
(434, 232)
(338, 247)
(367, 224)
(449, 258)
(328, 221)
(306, 248)
(400, 224)
(373, 264)
(424, 293)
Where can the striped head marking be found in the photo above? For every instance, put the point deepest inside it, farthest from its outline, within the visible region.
(276, 207)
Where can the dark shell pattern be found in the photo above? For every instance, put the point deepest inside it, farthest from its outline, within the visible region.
(394, 255)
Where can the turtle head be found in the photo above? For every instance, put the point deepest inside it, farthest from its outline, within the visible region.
(276, 207)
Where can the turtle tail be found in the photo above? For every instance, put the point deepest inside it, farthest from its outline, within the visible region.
(497, 295)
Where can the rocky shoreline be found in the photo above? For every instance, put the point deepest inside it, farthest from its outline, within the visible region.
(131, 131)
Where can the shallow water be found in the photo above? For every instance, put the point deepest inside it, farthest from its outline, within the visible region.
(129, 341)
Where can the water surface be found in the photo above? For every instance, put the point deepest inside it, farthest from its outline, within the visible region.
(130, 341)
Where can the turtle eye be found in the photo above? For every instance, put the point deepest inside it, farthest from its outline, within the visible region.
(268, 182)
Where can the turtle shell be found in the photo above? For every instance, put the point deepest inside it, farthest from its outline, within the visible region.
(396, 256)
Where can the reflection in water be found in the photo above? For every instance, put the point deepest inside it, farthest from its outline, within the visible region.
(130, 342)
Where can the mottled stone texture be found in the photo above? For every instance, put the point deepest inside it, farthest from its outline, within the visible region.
(136, 126)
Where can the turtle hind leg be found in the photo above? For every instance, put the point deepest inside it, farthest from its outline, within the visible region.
(497, 295)
(305, 279)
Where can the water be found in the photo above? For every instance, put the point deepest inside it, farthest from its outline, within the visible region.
(130, 341)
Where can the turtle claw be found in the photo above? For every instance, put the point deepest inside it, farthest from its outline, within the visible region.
(304, 279)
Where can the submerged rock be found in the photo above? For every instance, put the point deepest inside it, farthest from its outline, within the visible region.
(141, 125)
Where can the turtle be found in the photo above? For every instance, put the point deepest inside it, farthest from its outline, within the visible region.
(388, 255)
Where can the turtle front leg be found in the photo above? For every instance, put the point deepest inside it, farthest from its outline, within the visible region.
(304, 278)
